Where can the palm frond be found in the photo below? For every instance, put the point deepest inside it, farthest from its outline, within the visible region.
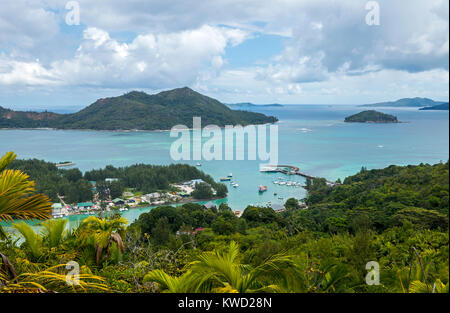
(6, 160)
(54, 231)
(32, 240)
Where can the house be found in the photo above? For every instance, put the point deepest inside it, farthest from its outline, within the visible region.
(209, 205)
(110, 180)
(118, 201)
(57, 207)
(152, 196)
(199, 229)
(85, 205)
(192, 183)
(278, 208)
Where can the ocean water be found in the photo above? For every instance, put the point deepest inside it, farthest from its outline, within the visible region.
(311, 137)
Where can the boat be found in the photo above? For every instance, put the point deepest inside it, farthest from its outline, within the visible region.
(235, 185)
(225, 179)
(198, 164)
(262, 189)
(230, 175)
(275, 193)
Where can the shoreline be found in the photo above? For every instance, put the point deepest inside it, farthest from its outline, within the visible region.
(122, 130)
(9, 224)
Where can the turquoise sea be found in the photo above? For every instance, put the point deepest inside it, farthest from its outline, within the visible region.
(311, 137)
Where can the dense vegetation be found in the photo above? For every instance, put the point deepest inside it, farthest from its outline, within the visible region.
(20, 119)
(139, 111)
(396, 216)
(76, 187)
(371, 116)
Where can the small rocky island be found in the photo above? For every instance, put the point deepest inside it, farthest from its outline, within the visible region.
(371, 116)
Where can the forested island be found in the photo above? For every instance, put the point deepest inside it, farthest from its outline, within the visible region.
(138, 111)
(371, 116)
(439, 107)
(397, 216)
(406, 103)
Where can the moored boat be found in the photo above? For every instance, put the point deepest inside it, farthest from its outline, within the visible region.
(262, 189)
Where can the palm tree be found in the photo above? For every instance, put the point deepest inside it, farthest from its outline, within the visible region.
(32, 240)
(222, 272)
(186, 283)
(16, 197)
(103, 232)
(54, 232)
(52, 279)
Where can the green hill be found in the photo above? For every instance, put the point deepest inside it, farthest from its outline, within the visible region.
(21, 119)
(140, 111)
(371, 116)
(389, 197)
(405, 102)
(440, 107)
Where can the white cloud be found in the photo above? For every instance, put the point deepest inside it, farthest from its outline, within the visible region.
(149, 61)
(330, 52)
(24, 73)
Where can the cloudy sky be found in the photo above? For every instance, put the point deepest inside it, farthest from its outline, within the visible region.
(285, 51)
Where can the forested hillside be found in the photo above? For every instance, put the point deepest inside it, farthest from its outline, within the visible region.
(139, 111)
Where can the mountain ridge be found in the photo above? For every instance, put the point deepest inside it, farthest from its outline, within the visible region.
(439, 107)
(405, 102)
(137, 110)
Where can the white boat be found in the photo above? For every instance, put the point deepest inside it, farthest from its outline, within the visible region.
(230, 175)
(235, 185)
(198, 164)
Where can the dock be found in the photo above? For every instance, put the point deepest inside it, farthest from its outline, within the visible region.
(66, 164)
(288, 170)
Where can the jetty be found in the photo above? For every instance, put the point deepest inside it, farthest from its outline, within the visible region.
(65, 164)
(288, 170)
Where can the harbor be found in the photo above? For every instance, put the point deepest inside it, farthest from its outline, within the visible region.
(288, 170)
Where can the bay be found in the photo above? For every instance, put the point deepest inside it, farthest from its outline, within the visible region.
(311, 137)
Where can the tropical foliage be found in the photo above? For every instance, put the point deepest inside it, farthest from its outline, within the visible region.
(396, 217)
(76, 187)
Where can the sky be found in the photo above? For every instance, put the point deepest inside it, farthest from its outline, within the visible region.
(64, 55)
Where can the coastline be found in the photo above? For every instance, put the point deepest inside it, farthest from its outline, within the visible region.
(9, 224)
(121, 130)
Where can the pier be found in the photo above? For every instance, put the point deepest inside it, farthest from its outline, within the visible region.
(288, 170)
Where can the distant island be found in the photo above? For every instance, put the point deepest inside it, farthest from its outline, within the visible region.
(406, 102)
(440, 107)
(371, 116)
(138, 111)
(244, 105)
